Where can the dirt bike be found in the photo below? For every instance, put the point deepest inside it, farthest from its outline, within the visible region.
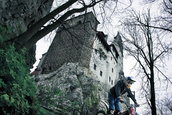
(130, 110)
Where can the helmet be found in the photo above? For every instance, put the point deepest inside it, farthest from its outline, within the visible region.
(130, 80)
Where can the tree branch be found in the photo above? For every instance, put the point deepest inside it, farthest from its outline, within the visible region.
(53, 26)
(163, 74)
(24, 37)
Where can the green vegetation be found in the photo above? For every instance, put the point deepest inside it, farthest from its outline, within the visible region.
(16, 88)
(4, 31)
(7, 32)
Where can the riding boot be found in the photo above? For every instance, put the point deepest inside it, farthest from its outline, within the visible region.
(116, 112)
(110, 112)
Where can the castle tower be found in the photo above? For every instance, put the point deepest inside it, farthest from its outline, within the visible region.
(106, 59)
(118, 43)
(72, 43)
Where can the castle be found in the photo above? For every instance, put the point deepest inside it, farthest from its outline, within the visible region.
(78, 41)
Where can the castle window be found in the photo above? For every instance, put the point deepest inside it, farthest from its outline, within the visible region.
(109, 78)
(44, 69)
(79, 22)
(50, 67)
(111, 58)
(95, 51)
(100, 57)
(101, 73)
(95, 66)
(112, 82)
(112, 70)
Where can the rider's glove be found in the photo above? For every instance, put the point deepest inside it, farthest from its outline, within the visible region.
(120, 99)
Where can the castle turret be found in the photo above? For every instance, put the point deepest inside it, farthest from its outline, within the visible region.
(118, 42)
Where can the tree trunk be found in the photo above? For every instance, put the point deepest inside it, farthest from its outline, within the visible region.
(27, 35)
(30, 37)
(37, 36)
(153, 99)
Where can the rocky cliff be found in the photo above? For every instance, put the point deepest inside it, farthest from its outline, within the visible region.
(21, 14)
(70, 90)
(16, 16)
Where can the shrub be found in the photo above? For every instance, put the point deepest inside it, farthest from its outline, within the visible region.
(17, 90)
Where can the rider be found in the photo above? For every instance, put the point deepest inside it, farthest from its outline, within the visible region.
(116, 91)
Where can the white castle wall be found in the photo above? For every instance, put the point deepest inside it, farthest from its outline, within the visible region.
(108, 66)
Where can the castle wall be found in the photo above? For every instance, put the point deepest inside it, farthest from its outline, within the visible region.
(117, 43)
(71, 44)
(99, 64)
(104, 63)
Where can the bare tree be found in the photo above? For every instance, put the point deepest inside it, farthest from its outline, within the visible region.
(165, 105)
(149, 49)
(168, 103)
(165, 18)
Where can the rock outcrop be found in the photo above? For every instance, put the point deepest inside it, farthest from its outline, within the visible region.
(16, 16)
(70, 90)
(21, 14)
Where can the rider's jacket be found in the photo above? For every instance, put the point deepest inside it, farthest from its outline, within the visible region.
(119, 89)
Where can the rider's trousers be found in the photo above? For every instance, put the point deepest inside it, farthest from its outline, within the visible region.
(113, 103)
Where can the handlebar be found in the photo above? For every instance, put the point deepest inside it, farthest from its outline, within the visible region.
(129, 105)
